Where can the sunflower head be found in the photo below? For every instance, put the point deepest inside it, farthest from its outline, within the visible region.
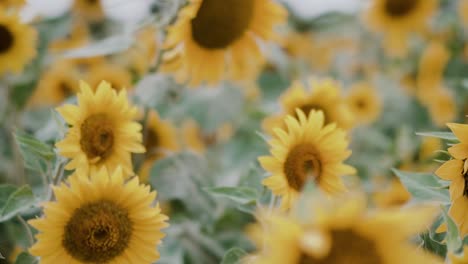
(90, 224)
(118, 77)
(102, 130)
(364, 102)
(431, 70)
(307, 150)
(441, 105)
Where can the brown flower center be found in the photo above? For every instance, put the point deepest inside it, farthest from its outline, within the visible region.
(65, 89)
(97, 136)
(361, 104)
(400, 8)
(219, 23)
(97, 232)
(151, 142)
(6, 39)
(302, 163)
(347, 247)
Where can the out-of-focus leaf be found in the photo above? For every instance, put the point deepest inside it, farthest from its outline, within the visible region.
(26, 258)
(18, 200)
(242, 195)
(453, 239)
(233, 256)
(104, 47)
(34, 152)
(424, 186)
(441, 135)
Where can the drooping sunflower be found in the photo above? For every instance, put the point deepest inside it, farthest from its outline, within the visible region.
(212, 39)
(198, 141)
(393, 196)
(398, 19)
(364, 102)
(307, 150)
(100, 219)
(102, 130)
(57, 84)
(91, 10)
(78, 37)
(345, 232)
(17, 43)
(325, 95)
(118, 77)
(160, 138)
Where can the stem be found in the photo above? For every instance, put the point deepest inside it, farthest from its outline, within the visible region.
(28, 229)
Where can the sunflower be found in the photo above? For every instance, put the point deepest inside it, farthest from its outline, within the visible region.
(398, 19)
(431, 70)
(429, 148)
(89, 223)
(160, 138)
(441, 106)
(325, 96)
(102, 131)
(17, 43)
(78, 37)
(57, 84)
(463, 11)
(394, 195)
(198, 141)
(307, 150)
(212, 39)
(364, 102)
(11, 3)
(118, 77)
(345, 232)
(91, 10)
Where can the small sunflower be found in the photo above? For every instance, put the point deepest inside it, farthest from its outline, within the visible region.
(160, 138)
(214, 38)
(100, 219)
(78, 37)
(198, 141)
(118, 77)
(324, 95)
(307, 150)
(364, 102)
(57, 84)
(442, 107)
(91, 10)
(394, 196)
(102, 130)
(345, 232)
(17, 43)
(11, 3)
(398, 19)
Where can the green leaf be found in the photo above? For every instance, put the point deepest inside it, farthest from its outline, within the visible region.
(35, 153)
(453, 239)
(25, 258)
(424, 186)
(441, 135)
(242, 195)
(18, 201)
(233, 256)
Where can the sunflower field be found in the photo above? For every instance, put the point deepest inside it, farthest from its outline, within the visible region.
(234, 131)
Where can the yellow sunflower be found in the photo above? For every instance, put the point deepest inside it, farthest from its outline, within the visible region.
(344, 232)
(118, 77)
(463, 11)
(364, 102)
(395, 195)
(307, 150)
(325, 95)
(429, 148)
(160, 139)
(398, 19)
(198, 141)
(11, 3)
(17, 43)
(91, 10)
(102, 130)
(100, 219)
(57, 84)
(441, 106)
(212, 39)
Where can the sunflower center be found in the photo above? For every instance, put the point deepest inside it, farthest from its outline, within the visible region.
(219, 23)
(347, 247)
(306, 108)
(399, 8)
(97, 136)
(151, 141)
(361, 104)
(97, 232)
(6, 39)
(65, 89)
(303, 162)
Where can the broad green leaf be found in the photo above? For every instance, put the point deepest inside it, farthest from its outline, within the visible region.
(35, 153)
(424, 186)
(242, 195)
(453, 239)
(233, 256)
(26, 258)
(20, 200)
(441, 135)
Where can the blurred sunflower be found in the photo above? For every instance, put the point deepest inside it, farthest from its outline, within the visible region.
(91, 10)
(17, 43)
(117, 76)
(307, 150)
(344, 232)
(325, 96)
(364, 102)
(212, 39)
(197, 140)
(4, 4)
(441, 106)
(463, 11)
(397, 19)
(89, 223)
(160, 138)
(102, 130)
(394, 195)
(57, 84)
